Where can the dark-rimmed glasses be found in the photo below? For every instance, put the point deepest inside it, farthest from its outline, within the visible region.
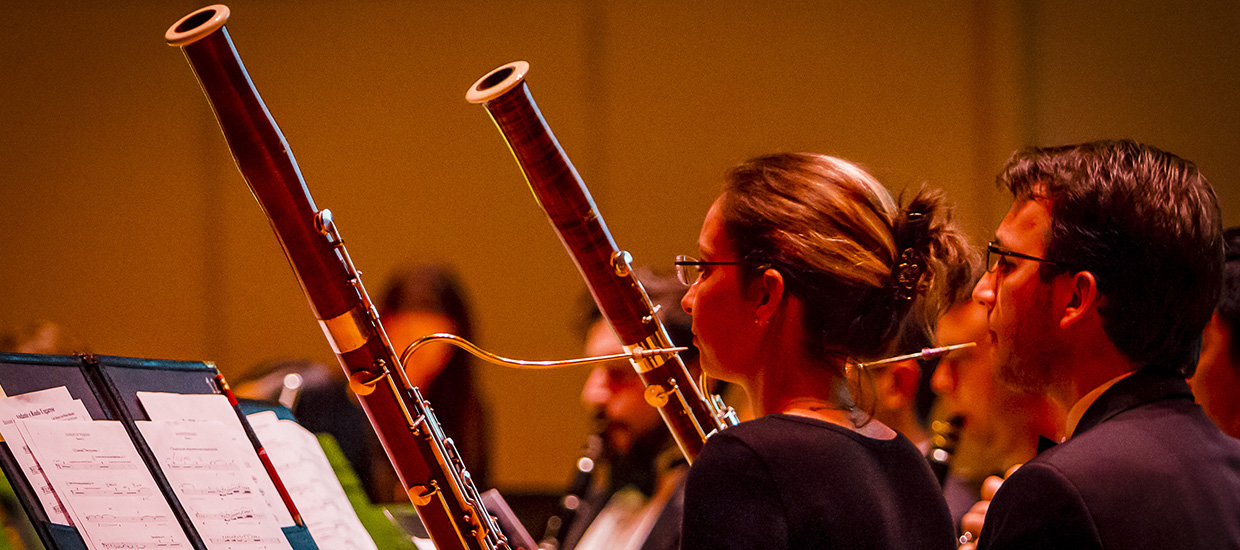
(995, 252)
(689, 269)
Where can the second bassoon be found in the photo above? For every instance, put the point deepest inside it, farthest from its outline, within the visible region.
(684, 406)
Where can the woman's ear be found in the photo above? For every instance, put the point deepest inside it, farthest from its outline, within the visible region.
(769, 294)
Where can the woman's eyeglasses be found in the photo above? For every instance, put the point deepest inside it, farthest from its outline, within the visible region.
(689, 269)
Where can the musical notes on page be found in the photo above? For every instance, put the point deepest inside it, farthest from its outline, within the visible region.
(216, 408)
(221, 498)
(216, 490)
(51, 404)
(104, 484)
(113, 518)
(311, 483)
(139, 545)
(103, 463)
(107, 488)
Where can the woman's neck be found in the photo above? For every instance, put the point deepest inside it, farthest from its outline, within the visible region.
(801, 386)
(824, 410)
(784, 379)
(813, 389)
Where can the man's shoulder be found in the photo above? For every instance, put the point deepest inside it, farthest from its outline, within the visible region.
(1039, 507)
(1144, 477)
(1144, 439)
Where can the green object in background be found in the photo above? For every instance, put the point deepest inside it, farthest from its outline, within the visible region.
(373, 517)
(18, 532)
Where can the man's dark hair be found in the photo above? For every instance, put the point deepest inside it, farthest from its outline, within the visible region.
(1229, 303)
(1146, 223)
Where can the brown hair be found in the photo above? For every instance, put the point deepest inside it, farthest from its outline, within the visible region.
(864, 268)
(1146, 223)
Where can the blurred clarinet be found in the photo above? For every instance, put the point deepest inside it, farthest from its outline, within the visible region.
(682, 402)
(943, 445)
(425, 459)
(583, 474)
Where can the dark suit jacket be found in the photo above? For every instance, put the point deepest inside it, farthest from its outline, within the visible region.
(1145, 468)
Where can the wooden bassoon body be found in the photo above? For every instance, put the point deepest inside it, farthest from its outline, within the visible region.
(425, 459)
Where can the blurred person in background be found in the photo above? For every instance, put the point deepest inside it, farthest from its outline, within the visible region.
(635, 499)
(41, 336)
(416, 301)
(424, 299)
(1216, 384)
(1001, 426)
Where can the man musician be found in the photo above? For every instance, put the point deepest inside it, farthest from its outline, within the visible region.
(1101, 278)
(636, 498)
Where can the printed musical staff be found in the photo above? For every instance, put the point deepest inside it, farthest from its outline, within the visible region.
(311, 482)
(52, 404)
(221, 497)
(216, 408)
(104, 484)
(98, 488)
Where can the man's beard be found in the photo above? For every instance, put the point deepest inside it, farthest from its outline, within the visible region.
(1031, 369)
(1027, 361)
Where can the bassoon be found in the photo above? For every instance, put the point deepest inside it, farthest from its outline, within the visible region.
(426, 461)
(607, 270)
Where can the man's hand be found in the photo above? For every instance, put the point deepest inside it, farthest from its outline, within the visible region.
(972, 521)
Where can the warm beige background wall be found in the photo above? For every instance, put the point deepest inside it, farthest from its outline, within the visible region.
(126, 221)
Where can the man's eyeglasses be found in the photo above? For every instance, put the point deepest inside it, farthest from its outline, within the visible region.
(689, 269)
(994, 253)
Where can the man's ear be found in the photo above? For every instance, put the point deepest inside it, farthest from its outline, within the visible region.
(899, 384)
(1082, 300)
(769, 294)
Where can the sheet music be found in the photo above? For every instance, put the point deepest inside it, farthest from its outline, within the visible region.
(216, 408)
(52, 404)
(312, 483)
(221, 499)
(104, 484)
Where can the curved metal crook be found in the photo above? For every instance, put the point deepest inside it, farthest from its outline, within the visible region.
(524, 364)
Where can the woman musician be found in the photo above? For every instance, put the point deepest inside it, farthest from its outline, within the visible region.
(807, 269)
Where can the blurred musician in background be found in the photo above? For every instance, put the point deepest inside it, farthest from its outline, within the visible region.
(416, 301)
(41, 336)
(636, 498)
(1101, 278)
(1216, 384)
(1001, 426)
(897, 392)
(807, 265)
(425, 299)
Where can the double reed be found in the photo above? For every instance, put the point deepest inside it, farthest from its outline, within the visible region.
(607, 271)
(426, 461)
